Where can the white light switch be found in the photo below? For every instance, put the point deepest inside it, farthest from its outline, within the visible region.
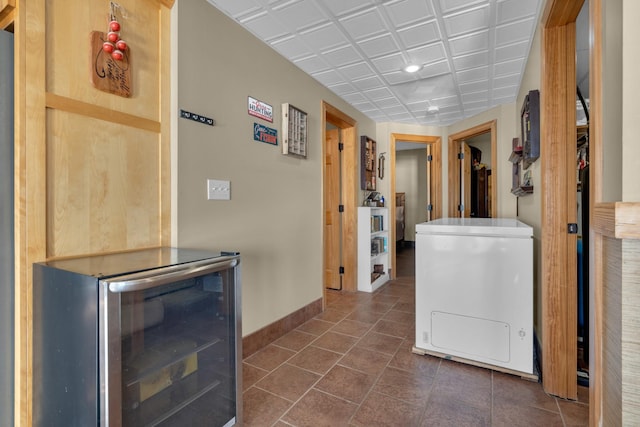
(218, 190)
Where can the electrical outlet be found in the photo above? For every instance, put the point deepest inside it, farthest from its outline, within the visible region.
(218, 190)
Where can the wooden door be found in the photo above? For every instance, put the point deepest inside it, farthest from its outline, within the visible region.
(332, 221)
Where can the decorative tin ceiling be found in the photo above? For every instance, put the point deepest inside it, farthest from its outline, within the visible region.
(471, 53)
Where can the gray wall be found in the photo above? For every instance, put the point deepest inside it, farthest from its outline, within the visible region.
(6, 229)
(274, 217)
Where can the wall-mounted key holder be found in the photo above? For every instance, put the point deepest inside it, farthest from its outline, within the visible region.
(197, 118)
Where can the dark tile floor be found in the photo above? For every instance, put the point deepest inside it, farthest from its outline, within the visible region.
(352, 365)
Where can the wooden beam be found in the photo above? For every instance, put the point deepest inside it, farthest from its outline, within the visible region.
(167, 3)
(7, 15)
(558, 13)
(69, 105)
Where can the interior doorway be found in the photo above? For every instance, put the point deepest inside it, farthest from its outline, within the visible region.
(427, 205)
(339, 200)
(472, 192)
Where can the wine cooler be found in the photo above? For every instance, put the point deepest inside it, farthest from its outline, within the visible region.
(142, 338)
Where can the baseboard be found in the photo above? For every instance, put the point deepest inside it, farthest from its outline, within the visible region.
(265, 336)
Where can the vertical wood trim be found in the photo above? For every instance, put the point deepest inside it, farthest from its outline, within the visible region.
(495, 172)
(453, 180)
(596, 263)
(30, 167)
(392, 206)
(164, 114)
(349, 217)
(559, 311)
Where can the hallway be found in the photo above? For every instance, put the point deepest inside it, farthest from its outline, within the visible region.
(352, 366)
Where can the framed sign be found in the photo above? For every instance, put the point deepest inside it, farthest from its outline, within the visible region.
(259, 109)
(294, 131)
(265, 134)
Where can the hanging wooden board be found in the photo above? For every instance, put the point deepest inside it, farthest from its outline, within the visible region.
(107, 74)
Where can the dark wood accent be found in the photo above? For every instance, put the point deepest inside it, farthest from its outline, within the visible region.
(265, 336)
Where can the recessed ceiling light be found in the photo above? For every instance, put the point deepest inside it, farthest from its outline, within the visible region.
(433, 109)
(412, 68)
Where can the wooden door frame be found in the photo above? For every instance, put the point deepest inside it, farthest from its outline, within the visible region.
(558, 279)
(436, 181)
(454, 166)
(348, 132)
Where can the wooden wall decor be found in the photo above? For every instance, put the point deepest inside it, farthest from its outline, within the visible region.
(108, 74)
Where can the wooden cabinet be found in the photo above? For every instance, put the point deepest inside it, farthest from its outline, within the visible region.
(530, 128)
(526, 150)
(373, 248)
(520, 185)
(367, 163)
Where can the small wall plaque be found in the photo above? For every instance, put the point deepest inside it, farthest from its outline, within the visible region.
(260, 109)
(265, 134)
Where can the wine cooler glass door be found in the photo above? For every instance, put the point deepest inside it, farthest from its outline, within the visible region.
(171, 347)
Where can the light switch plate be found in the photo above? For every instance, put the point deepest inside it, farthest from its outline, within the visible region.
(218, 190)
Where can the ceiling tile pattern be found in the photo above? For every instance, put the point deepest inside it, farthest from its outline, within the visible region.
(472, 52)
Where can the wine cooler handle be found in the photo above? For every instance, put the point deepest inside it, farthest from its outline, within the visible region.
(158, 277)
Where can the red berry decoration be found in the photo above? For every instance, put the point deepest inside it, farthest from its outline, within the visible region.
(121, 45)
(114, 46)
(117, 55)
(113, 37)
(108, 47)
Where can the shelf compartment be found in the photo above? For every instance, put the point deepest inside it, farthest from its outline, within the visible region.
(207, 383)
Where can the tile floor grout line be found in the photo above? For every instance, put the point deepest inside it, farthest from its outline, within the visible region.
(361, 306)
(312, 387)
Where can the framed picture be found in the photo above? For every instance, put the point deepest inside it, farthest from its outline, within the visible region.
(294, 131)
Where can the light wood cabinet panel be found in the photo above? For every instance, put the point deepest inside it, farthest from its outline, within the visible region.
(102, 191)
(92, 168)
(69, 61)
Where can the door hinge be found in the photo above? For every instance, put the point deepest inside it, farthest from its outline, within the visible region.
(460, 208)
(572, 228)
(460, 156)
(429, 158)
(341, 270)
(340, 208)
(340, 146)
(429, 207)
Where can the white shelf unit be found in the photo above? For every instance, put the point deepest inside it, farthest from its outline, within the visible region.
(373, 236)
